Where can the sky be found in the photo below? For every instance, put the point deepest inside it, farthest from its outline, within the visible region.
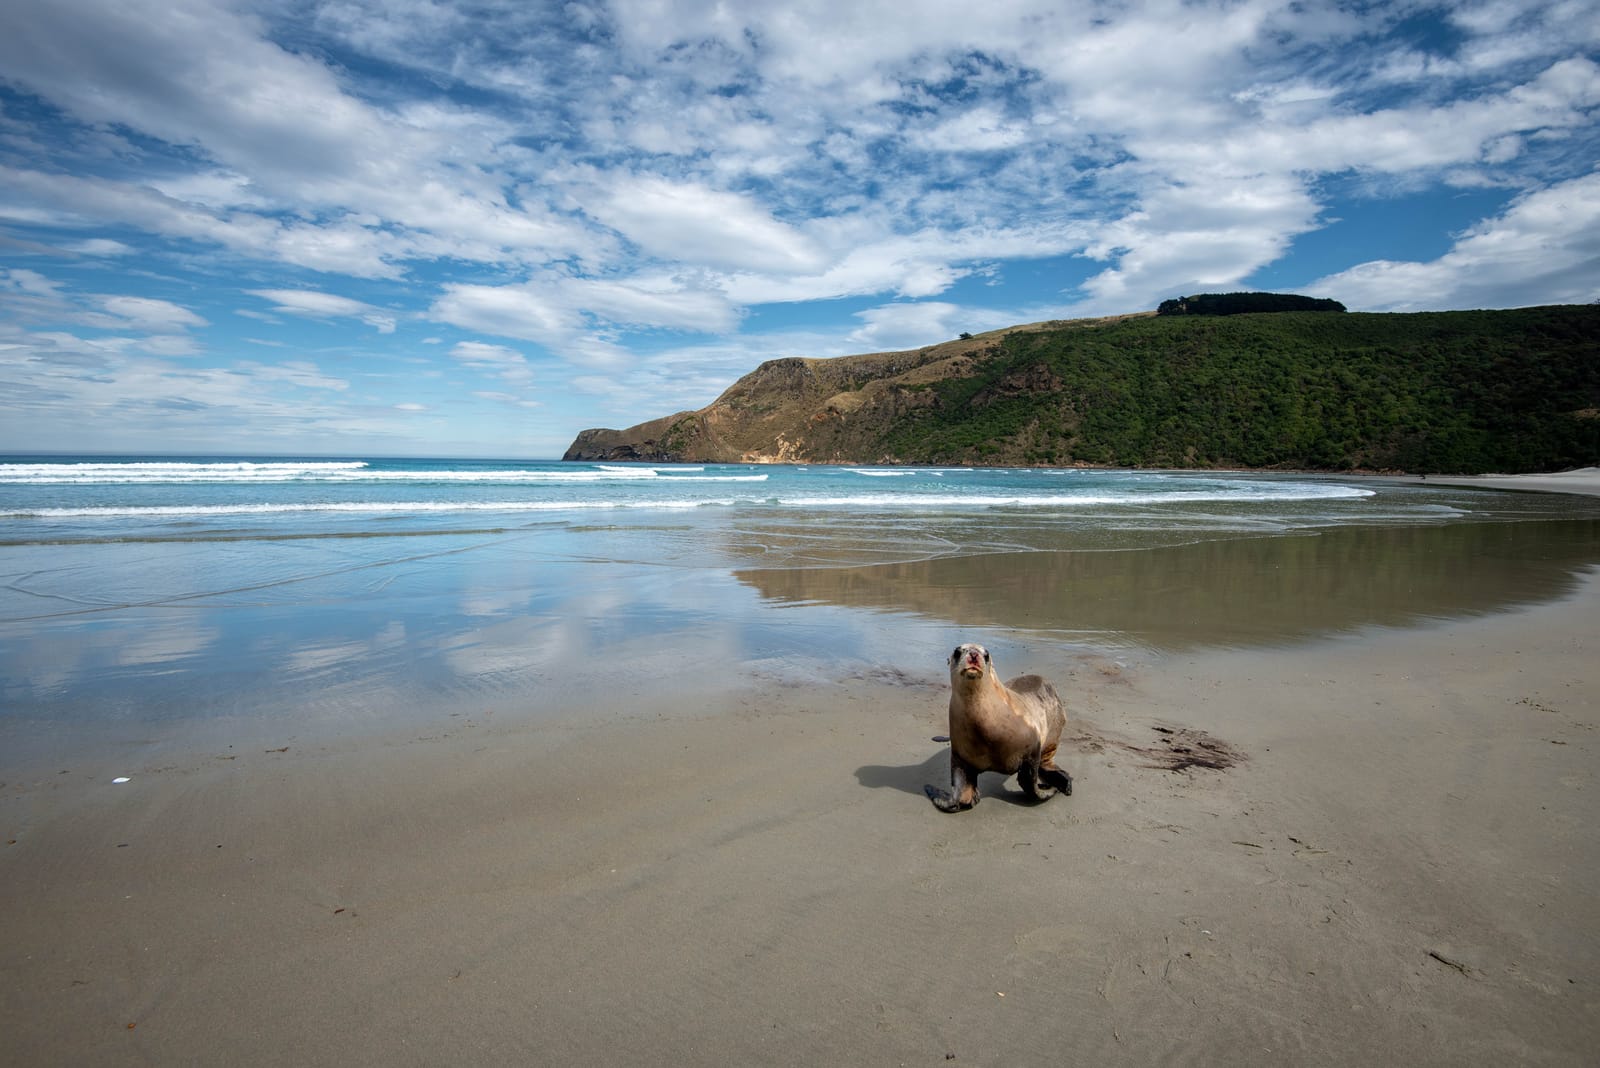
(450, 228)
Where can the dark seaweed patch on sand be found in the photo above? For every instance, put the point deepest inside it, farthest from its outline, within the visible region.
(1173, 749)
(1182, 748)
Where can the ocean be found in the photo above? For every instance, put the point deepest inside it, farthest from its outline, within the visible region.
(895, 510)
(348, 591)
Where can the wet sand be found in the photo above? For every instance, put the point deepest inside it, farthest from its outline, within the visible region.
(1392, 861)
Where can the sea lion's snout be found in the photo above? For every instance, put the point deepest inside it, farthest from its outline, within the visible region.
(970, 660)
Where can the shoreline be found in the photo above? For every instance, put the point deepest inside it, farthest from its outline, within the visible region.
(1580, 480)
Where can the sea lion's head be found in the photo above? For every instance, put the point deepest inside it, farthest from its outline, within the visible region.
(969, 661)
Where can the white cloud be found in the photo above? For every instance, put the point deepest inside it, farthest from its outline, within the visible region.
(1402, 139)
(298, 373)
(1544, 249)
(657, 301)
(318, 305)
(507, 311)
(1206, 232)
(73, 201)
(99, 246)
(65, 391)
(170, 345)
(196, 73)
(497, 360)
(983, 129)
(904, 326)
(572, 316)
(155, 326)
(505, 398)
(693, 223)
(872, 259)
(283, 132)
(29, 294)
(146, 313)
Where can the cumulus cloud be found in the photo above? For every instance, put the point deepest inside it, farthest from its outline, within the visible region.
(905, 326)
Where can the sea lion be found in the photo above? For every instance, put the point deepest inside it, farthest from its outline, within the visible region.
(1012, 728)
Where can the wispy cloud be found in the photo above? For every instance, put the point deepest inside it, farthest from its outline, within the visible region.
(325, 306)
(506, 364)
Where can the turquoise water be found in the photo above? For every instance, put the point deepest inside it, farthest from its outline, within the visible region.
(904, 511)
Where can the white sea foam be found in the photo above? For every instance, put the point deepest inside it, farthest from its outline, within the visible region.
(171, 511)
(896, 472)
(1221, 494)
(351, 472)
(240, 471)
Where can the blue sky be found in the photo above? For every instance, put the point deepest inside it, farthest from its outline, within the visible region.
(437, 228)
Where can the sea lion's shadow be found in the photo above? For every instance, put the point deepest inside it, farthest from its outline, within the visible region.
(935, 772)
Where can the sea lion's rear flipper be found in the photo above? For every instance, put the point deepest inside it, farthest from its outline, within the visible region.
(1051, 775)
(1040, 779)
(1030, 778)
(1057, 778)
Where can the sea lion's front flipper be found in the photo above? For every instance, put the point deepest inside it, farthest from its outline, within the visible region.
(963, 788)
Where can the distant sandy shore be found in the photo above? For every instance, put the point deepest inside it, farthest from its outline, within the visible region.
(1399, 867)
(1585, 480)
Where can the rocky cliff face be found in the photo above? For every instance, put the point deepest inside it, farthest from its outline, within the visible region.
(654, 442)
(797, 410)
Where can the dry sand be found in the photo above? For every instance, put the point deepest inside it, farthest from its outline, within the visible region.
(1400, 868)
(1585, 480)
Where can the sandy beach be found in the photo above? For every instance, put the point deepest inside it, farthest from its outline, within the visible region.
(1393, 861)
(1585, 480)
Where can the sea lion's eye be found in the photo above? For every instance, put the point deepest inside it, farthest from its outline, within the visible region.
(985, 656)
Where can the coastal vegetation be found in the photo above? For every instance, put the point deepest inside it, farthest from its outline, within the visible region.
(1460, 392)
(1242, 303)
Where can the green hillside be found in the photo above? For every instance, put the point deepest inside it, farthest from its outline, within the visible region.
(1448, 391)
(1460, 392)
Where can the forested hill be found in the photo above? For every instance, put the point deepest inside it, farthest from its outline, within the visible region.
(1459, 392)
